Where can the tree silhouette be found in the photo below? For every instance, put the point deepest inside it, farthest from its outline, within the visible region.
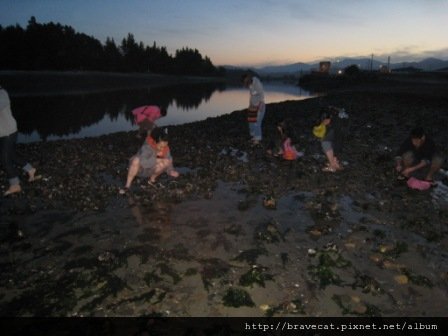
(52, 46)
(352, 70)
(112, 56)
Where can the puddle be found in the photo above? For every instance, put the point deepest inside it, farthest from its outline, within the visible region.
(440, 195)
(210, 257)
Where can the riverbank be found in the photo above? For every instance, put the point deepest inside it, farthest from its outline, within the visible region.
(353, 243)
(57, 82)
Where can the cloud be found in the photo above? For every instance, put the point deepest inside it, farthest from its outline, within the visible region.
(323, 12)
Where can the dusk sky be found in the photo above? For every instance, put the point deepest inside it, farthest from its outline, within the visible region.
(256, 32)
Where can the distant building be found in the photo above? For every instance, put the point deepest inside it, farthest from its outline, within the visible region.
(384, 69)
(324, 67)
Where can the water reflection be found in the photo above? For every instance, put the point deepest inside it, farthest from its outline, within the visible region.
(83, 115)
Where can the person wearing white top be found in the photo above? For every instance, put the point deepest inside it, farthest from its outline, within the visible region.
(257, 108)
(8, 139)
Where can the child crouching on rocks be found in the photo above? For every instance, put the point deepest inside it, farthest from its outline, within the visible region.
(284, 146)
(326, 131)
(152, 159)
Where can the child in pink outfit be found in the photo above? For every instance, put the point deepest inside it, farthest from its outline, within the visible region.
(145, 117)
(284, 146)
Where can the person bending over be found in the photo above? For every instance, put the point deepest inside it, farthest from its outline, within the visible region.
(145, 117)
(417, 156)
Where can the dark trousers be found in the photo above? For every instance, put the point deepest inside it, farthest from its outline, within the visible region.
(9, 157)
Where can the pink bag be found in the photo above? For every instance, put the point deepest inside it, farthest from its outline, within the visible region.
(414, 183)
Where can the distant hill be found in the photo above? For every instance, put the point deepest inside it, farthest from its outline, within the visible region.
(288, 68)
(427, 64)
(362, 63)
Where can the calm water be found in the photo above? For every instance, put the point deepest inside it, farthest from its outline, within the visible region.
(52, 117)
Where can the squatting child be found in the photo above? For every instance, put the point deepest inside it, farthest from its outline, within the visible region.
(152, 159)
(284, 145)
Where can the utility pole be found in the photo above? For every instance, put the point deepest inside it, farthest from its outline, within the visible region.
(371, 63)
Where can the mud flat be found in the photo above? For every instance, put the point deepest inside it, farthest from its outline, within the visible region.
(355, 243)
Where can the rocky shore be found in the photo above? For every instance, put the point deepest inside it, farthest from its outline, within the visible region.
(356, 243)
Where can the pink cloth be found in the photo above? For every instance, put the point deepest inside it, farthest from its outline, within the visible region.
(418, 184)
(150, 112)
(289, 151)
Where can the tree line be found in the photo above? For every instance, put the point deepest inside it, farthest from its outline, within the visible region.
(52, 46)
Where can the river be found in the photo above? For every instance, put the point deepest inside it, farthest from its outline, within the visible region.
(48, 117)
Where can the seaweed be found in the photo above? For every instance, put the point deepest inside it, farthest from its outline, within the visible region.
(179, 252)
(146, 297)
(372, 311)
(323, 273)
(111, 285)
(152, 278)
(50, 297)
(191, 272)
(236, 297)
(255, 275)
(166, 269)
(115, 285)
(418, 280)
(367, 284)
(269, 232)
(398, 249)
(325, 276)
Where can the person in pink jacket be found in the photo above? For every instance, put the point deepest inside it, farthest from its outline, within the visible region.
(145, 117)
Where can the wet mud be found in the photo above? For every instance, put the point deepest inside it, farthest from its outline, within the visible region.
(239, 233)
